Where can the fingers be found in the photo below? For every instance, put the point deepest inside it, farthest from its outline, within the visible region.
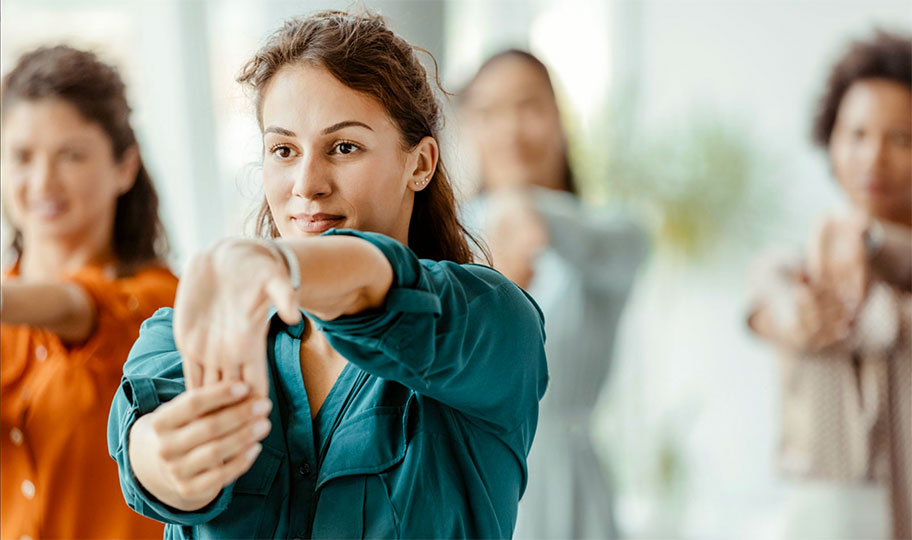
(256, 376)
(219, 451)
(193, 404)
(210, 375)
(213, 426)
(252, 352)
(193, 373)
(230, 373)
(817, 252)
(221, 315)
(214, 479)
(284, 298)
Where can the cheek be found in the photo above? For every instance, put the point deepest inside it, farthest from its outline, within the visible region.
(14, 192)
(276, 185)
(91, 187)
(489, 138)
(380, 180)
(544, 135)
(375, 189)
(901, 168)
(842, 160)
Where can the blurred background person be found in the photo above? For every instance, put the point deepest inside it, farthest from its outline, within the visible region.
(86, 270)
(578, 263)
(841, 315)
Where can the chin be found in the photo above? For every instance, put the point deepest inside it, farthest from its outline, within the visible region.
(50, 229)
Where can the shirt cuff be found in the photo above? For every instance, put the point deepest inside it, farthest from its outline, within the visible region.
(144, 395)
(390, 328)
(410, 291)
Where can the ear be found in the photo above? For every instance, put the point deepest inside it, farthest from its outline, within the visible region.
(422, 164)
(127, 169)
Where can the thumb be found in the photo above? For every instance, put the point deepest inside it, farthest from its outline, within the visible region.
(285, 299)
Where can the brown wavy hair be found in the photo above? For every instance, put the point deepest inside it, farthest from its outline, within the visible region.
(96, 90)
(363, 54)
(569, 179)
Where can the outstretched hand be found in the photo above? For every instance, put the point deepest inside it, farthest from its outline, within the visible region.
(221, 313)
(191, 447)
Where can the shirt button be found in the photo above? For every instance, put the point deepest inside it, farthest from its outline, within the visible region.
(132, 303)
(304, 470)
(26, 537)
(16, 436)
(41, 353)
(28, 489)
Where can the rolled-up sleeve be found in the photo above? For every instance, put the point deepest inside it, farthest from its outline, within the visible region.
(461, 334)
(152, 375)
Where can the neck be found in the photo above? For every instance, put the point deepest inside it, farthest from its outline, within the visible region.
(44, 259)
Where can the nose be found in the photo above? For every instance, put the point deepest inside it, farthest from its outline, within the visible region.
(876, 153)
(513, 124)
(43, 176)
(313, 179)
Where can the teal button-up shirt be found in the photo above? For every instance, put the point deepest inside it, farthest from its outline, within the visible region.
(424, 434)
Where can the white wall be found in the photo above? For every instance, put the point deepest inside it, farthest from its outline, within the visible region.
(687, 370)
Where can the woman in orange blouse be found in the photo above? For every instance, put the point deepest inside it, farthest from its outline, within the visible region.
(88, 270)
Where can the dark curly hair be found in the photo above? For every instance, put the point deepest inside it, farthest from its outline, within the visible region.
(885, 56)
(97, 91)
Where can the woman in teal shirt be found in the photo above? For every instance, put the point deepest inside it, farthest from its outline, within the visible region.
(404, 401)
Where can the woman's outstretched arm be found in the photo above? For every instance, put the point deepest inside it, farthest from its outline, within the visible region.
(61, 307)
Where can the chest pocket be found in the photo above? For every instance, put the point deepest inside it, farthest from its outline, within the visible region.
(249, 514)
(353, 497)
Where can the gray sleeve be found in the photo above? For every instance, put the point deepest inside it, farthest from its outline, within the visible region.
(605, 247)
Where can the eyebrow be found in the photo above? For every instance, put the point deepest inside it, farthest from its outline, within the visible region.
(280, 131)
(345, 124)
(327, 131)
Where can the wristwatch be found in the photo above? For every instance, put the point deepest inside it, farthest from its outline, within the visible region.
(873, 238)
(282, 252)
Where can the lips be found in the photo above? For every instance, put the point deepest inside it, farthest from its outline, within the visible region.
(316, 223)
(47, 209)
(875, 186)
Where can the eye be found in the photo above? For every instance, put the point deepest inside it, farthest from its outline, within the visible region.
(71, 156)
(21, 156)
(281, 151)
(901, 139)
(345, 148)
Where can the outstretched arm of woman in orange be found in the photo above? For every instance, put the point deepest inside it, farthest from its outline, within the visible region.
(62, 308)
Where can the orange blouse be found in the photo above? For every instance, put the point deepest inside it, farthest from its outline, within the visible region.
(57, 479)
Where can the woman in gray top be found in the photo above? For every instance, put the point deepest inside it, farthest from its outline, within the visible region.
(578, 264)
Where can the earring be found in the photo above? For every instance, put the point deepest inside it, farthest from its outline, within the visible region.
(424, 182)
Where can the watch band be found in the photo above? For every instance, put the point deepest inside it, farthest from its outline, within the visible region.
(873, 238)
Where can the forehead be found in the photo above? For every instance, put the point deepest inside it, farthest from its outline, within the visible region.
(306, 98)
(509, 78)
(877, 99)
(51, 118)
